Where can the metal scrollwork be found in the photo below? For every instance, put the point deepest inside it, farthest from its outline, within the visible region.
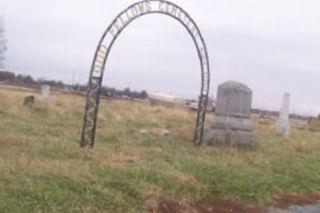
(107, 40)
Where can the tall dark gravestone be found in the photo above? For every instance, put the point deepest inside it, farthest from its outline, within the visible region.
(232, 124)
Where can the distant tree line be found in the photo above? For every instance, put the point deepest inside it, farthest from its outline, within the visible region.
(268, 113)
(28, 81)
(112, 92)
(125, 93)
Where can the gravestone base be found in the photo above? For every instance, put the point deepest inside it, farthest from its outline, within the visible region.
(283, 130)
(230, 138)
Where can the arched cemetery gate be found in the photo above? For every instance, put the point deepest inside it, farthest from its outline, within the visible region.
(103, 49)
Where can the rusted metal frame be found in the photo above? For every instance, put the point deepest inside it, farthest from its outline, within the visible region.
(202, 102)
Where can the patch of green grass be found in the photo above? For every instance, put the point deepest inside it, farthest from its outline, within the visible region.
(43, 169)
(59, 194)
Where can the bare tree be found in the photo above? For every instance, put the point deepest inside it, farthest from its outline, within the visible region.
(3, 44)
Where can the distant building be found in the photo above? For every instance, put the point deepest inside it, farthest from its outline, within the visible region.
(166, 99)
(194, 105)
(172, 100)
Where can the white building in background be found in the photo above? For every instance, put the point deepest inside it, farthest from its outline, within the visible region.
(172, 100)
(166, 99)
(194, 105)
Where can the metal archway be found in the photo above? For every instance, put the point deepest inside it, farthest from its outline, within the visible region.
(103, 49)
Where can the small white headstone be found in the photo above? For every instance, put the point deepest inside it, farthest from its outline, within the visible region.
(45, 93)
(283, 124)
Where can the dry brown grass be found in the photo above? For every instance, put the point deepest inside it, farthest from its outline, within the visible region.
(40, 158)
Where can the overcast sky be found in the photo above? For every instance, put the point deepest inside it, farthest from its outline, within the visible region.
(272, 46)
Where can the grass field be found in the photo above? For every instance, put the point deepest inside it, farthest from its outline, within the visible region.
(42, 168)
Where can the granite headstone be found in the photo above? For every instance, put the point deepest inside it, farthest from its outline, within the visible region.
(232, 123)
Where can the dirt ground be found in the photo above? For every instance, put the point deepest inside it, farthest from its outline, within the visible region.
(224, 206)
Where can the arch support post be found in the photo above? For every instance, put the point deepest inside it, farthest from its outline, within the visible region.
(201, 117)
(91, 113)
(93, 98)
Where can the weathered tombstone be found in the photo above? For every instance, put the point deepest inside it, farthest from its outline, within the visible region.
(314, 124)
(232, 123)
(28, 101)
(283, 123)
(45, 93)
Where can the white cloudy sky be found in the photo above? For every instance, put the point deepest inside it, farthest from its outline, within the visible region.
(272, 46)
